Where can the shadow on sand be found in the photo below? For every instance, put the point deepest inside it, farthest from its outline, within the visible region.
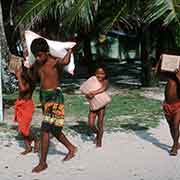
(83, 129)
(147, 136)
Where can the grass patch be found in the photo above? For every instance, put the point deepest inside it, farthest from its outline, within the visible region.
(129, 112)
(133, 112)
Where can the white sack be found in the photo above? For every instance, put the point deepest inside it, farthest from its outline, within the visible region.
(56, 48)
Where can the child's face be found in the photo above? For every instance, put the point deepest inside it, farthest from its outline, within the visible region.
(100, 74)
(41, 57)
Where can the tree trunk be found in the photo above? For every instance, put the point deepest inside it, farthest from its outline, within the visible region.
(146, 79)
(1, 60)
(8, 80)
(88, 55)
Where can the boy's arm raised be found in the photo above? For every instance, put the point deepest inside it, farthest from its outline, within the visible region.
(66, 58)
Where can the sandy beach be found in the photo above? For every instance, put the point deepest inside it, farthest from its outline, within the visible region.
(135, 155)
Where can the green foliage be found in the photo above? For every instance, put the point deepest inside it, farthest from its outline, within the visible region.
(129, 111)
(79, 14)
(177, 35)
(69, 12)
(76, 106)
(167, 10)
(133, 112)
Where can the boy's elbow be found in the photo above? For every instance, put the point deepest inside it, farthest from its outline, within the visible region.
(66, 61)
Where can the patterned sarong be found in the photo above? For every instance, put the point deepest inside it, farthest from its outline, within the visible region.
(53, 106)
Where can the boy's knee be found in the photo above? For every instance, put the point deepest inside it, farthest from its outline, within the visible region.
(91, 125)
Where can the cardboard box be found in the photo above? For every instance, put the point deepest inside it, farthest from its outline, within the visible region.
(170, 63)
(98, 101)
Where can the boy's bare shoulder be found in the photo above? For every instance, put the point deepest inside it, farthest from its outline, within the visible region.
(52, 60)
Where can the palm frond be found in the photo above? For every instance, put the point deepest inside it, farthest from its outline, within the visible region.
(115, 18)
(82, 12)
(162, 9)
(34, 10)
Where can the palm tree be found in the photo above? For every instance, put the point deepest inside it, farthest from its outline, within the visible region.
(89, 17)
(163, 16)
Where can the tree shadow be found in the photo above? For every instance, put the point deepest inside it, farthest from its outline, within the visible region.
(52, 146)
(134, 127)
(147, 136)
(142, 132)
(83, 129)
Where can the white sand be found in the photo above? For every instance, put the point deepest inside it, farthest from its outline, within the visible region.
(124, 156)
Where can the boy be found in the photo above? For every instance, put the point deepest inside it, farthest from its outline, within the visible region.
(171, 106)
(47, 69)
(24, 109)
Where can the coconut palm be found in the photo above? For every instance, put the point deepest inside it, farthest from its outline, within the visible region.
(85, 17)
(166, 10)
(89, 17)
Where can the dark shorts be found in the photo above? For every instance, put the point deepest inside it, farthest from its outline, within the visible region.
(51, 128)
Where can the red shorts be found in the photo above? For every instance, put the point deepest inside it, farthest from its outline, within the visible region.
(171, 109)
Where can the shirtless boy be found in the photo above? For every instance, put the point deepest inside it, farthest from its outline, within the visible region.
(46, 68)
(171, 108)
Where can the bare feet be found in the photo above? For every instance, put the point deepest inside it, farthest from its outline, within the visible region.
(27, 150)
(70, 154)
(36, 146)
(95, 140)
(40, 167)
(174, 150)
(99, 144)
(98, 141)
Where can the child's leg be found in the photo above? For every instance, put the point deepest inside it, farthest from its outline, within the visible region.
(57, 132)
(34, 138)
(44, 150)
(175, 133)
(28, 147)
(100, 126)
(91, 122)
(28, 141)
(171, 127)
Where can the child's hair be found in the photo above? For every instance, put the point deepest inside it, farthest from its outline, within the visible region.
(38, 45)
(25, 75)
(102, 66)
